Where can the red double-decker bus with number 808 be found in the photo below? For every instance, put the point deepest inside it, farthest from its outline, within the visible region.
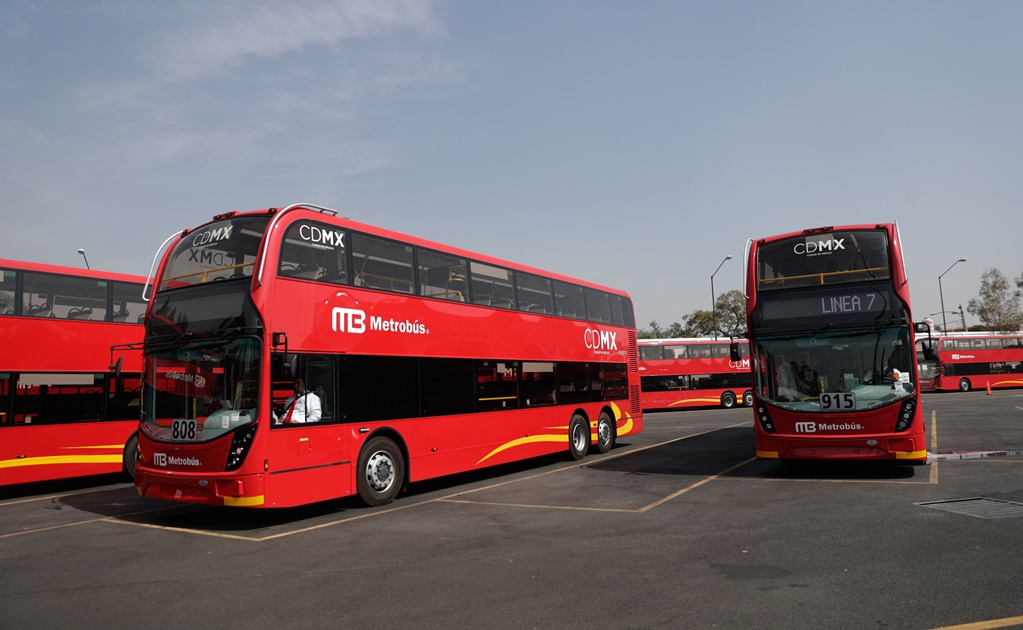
(831, 344)
(294, 356)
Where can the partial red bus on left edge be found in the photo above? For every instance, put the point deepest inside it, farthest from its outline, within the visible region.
(69, 372)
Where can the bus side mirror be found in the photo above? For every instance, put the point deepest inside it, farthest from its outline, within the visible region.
(733, 351)
(922, 327)
(116, 368)
(280, 339)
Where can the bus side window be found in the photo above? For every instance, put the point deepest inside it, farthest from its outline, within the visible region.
(319, 374)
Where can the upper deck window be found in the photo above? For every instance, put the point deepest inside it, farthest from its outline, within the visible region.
(314, 251)
(217, 251)
(823, 258)
(64, 297)
(7, 291)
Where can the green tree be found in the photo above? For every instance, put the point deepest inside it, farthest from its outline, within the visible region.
(697, 324)
(731, 321)
(656, 332)
(731, 312)
(998, 305)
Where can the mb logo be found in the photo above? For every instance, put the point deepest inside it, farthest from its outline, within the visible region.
(160, 459)
(348, 320)
(806, 427)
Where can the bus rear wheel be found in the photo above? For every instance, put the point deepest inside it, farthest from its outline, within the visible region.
(747, 398)
(578, 437)
(964, 384)
(728, 400)
(605, 432)
(381, 471)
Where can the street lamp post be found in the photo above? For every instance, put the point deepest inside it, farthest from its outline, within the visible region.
(944, 324)
(713, 296)
(82, 252)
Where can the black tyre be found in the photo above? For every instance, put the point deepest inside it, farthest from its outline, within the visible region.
(964, 384)
(578, 437)
(747, 398)
(130, 456)
(605, 432)
(381, 471)
(728, 400)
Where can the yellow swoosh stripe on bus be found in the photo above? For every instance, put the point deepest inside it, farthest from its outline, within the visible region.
(531, 439)
(61, 459)
(628, 426)
(695, 400)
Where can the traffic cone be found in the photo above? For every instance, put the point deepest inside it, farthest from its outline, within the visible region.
(989, 388)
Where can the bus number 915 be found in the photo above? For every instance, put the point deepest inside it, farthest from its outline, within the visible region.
(842, 401)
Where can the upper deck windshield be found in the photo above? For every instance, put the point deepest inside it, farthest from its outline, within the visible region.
(217, 251)
(875, 366)
(201, 390)
(823, 258)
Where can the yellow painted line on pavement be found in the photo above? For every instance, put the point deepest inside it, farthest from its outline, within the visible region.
(1006, 622)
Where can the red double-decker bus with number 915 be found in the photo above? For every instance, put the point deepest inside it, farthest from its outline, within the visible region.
(294, 356)
(831, 344)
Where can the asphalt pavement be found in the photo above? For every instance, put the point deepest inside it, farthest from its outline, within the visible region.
(678, 527)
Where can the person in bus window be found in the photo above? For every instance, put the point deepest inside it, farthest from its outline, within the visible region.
(302, 406)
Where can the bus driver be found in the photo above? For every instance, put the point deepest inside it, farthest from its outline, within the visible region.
(302, 406)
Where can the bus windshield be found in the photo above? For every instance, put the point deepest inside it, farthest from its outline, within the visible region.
(201, 390)
(838, 371)
(217, 251)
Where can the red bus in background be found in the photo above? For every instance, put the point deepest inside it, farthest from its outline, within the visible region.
(972, 361)
(64, 411)
(831, 339)
(686, 373)
(417, 360)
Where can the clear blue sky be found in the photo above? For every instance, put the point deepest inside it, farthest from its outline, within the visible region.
(635, 144)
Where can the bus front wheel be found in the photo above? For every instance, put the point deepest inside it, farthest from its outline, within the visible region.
(381, 471)
(728, 400)
(605, 432)
(131, 455)
(747, 398)
(578, 437)
(964, 385)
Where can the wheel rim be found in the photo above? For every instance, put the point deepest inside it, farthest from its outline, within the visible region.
(747, 399)
(604, 432)
(964, 385)
(380, 471)
(579, 438)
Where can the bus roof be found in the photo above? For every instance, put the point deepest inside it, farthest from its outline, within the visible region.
(413, 240)
(7, 263)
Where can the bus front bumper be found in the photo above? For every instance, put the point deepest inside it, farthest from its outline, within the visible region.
(910, 449)
(194, 488)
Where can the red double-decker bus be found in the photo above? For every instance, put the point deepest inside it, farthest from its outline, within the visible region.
(831, 339)
(973, 361)
(686, 373)
(64, 411)
(411, 360)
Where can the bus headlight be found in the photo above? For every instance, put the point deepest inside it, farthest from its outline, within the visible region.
(764, 419)
(905, 415)
(240, 444)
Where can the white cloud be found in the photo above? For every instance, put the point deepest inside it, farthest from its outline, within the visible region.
(271, 29)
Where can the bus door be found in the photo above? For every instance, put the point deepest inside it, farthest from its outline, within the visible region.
(306, 455)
